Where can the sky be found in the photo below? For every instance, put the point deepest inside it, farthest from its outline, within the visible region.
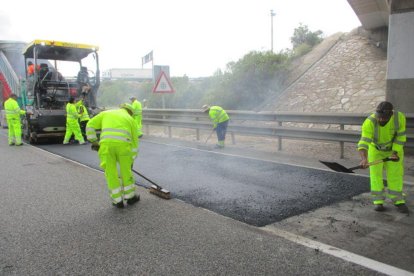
(194, 38)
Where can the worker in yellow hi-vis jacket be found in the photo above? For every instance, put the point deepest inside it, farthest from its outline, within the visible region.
(72, 123)
(137, 114)
(383, 135)
(13, 113)
(118, 145)
(220, 120)
(84, 116)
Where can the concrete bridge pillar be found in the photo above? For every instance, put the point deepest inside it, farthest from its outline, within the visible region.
(400, 72)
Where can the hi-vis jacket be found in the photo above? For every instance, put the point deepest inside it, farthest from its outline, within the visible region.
(390, 137)
(12, 109)
(72, 114)
(217, 115)
(138, 115)
(116, 126)
(84, 115)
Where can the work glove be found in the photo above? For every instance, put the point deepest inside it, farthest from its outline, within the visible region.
(95, 146)
(140, 136)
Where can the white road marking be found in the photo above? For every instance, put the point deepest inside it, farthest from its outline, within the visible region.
(339, 253)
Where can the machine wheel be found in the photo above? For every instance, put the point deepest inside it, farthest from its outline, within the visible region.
(27, 133)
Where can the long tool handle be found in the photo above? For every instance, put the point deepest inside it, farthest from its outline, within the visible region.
(208, 138)
(149, 180)
(375, 163)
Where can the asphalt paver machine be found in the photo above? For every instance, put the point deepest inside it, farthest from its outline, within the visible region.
(60, 70)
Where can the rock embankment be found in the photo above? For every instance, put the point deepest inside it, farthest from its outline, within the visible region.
(345, 73)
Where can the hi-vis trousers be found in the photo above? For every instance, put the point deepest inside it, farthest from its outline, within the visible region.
(111, 156)
(394, 172)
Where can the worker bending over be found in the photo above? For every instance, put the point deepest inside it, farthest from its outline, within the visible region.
(383, 135)
(118, 145)
(13, 113)
(220, 121)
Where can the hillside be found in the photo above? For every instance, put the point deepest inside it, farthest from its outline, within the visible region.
(345, 73)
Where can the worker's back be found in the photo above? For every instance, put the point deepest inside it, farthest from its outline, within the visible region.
(116, 126)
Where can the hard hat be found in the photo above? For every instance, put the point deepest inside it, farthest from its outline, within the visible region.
(132, 98)
(205, 107)
(128, 107)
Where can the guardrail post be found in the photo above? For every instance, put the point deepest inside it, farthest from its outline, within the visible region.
(279, 139)
(341, 144)
(197, 131)
(233, 138)
(147, 129)
(169, 132)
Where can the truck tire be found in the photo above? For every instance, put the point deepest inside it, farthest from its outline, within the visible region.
(27, 134)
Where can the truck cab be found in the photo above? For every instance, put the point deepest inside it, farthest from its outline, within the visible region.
(56, 71)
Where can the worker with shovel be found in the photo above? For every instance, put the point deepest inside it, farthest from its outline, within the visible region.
(118, 145)
(383, 135)
(220, 121)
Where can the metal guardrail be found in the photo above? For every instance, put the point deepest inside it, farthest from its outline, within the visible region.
(333, 127)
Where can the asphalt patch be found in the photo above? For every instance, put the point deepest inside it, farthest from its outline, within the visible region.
(252, 191)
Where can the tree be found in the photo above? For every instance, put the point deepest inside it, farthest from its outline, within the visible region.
(302, 35)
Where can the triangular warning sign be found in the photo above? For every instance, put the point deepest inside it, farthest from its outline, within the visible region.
(163, 84)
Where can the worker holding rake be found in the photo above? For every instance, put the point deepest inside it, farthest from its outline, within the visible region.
(220, 121)
(383, 135)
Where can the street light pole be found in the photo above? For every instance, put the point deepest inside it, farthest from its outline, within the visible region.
(271, 29)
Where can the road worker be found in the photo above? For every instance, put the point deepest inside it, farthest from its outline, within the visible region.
(220, 121)
(14, 124)
(83, 81)
(72, 123)
(84, 116)
(118, 146)
(383, 135)
(30, 68)
(137, 114)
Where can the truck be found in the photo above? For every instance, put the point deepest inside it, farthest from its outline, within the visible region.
(53, 79)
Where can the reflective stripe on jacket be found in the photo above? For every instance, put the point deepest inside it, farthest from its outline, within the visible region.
(12, 109)
(116, 126)
(85, 115)
(71, 112)
(217, 115)
(390, 137)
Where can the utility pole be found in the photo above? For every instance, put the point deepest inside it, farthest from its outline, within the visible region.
(272, 14)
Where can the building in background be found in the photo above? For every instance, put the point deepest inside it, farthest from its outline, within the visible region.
(137, 74)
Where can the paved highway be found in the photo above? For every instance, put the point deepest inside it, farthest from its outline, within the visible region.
(253, 191)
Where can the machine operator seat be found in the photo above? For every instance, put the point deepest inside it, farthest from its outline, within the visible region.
(44, 72)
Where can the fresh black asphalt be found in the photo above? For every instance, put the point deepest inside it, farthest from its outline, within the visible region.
(253, 191)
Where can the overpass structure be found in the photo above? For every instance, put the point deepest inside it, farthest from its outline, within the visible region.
(392, 22)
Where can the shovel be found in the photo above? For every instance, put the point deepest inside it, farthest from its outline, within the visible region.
(339, 168)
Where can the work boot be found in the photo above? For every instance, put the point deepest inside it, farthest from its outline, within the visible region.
(402, 208)
(133, 200)
(119, 205)
(21, 144)
(11, 144)
(379, 208)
